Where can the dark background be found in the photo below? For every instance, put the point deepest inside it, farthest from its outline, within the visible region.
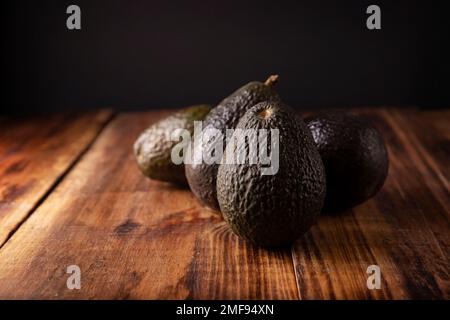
(161, 54)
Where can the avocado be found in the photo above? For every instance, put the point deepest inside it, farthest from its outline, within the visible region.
(153, 147)
(272, 210)
(202, 177)
(354, 155)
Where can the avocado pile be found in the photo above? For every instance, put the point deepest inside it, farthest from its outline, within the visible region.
(328, 163)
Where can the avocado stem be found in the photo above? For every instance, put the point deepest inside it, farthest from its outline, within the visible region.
(272, 80)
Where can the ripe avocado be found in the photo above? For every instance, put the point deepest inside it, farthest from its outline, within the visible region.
(202, 177)
(273, 210)
(354, 155)
(153, 147)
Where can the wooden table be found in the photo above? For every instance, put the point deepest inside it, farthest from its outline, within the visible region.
(71, 194)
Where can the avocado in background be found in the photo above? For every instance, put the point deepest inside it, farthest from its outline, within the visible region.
(202, 177)
(273, 210)
(354, 155)
(153, 147)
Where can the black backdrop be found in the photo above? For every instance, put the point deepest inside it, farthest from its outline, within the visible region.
(164, 54)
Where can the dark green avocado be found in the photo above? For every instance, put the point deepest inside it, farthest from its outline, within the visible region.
(153, 147)
(355, 158)
(202, 177)
(273, 210)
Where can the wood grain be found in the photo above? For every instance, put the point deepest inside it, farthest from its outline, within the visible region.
(134, 238)
(34, 154)
(139, 239)
(404, 229)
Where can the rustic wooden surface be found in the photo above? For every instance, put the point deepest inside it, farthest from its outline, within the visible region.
(139, 239)
(34, 154)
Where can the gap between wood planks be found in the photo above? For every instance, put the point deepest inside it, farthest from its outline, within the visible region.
(294, 270)
(60, 178)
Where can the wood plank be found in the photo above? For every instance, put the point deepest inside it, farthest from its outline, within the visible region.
(429, 133)
(134, 238)
(404, 229)
(34, 153)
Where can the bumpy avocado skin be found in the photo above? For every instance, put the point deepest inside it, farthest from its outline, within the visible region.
(355, 158)
(153, 147)
(202, 177)
(274, 210)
